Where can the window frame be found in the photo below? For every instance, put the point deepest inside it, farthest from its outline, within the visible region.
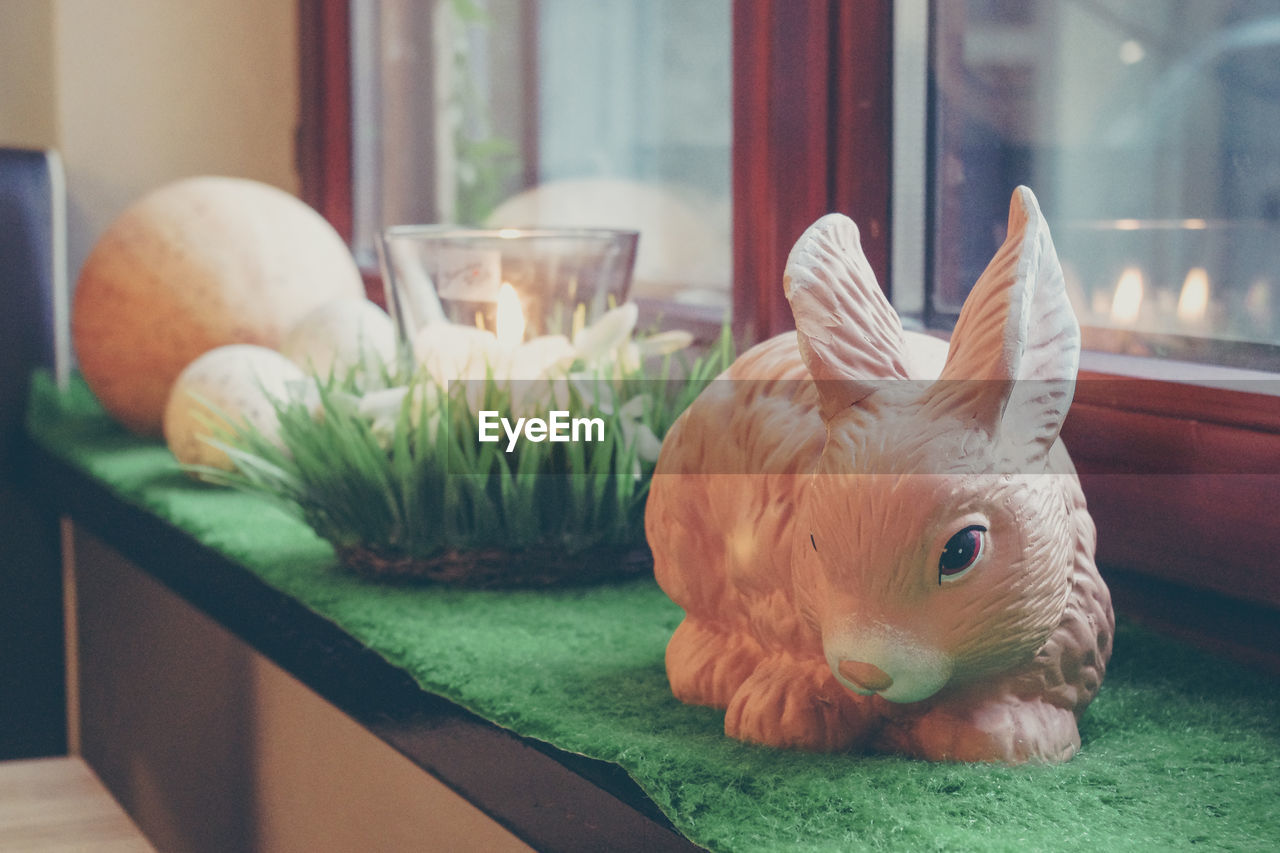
(812, 126)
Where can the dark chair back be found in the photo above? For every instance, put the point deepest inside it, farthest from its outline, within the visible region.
(32, 304)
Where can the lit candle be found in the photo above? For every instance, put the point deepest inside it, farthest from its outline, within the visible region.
(452, 351)
(1127, 301)
(509, 322)
(1193, 302)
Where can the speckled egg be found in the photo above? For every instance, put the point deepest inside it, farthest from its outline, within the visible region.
(231, 384)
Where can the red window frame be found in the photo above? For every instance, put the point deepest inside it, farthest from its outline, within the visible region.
(1181, 479)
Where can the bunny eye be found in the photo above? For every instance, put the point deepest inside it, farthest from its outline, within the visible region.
(960, 553)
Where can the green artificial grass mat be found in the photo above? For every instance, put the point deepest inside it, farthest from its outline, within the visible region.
(1181, 750)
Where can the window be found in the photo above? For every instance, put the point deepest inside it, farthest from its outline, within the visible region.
(1149, 140)
(614, 113)
(1152, 137)
(1176, 466)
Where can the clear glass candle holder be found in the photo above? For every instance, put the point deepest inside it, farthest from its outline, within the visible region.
(515, 282)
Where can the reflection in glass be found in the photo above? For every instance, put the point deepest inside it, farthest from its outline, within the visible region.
(566, 113)
(1151, 135)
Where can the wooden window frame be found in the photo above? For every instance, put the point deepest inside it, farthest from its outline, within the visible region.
(324, 151)
(1176, 473)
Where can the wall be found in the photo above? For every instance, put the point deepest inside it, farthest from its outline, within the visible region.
(27, 92)
(135, 93)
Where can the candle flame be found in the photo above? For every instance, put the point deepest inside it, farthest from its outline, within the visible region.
(1127, 301)
(510, 320)
(1194, 299)
(1132, 52)
(1258, 299)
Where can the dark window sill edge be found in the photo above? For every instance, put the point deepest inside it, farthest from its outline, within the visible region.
(549, 798)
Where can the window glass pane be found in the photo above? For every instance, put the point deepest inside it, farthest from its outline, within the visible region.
(557, 112)
(1150, 132)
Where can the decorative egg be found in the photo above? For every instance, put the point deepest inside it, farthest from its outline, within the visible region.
(191, 266)
(223, 389)
(341, 336)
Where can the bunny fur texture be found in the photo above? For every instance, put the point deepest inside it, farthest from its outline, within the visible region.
(873, 554)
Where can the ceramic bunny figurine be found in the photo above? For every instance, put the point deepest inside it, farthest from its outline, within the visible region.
(867, 560)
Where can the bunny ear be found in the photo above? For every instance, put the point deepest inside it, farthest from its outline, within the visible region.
(850, 336)
(1018, 336)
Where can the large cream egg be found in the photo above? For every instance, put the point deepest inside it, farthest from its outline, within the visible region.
(194, 265)
(341, 336)
(224, 388)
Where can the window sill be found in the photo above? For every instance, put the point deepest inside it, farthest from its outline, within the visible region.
(1179, 463)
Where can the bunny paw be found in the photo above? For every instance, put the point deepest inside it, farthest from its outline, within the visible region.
(790, 702)
(1008, 730)
(706, 665)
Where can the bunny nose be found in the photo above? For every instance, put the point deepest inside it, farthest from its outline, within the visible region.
(865, 675)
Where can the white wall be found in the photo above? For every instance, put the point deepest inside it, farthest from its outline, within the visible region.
(27, 92)
(135, 93)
